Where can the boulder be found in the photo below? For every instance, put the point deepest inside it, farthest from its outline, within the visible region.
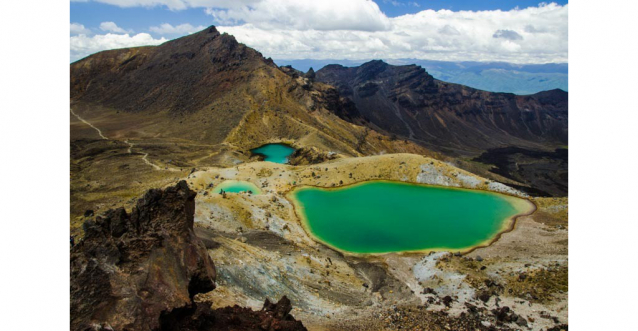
(447, 300)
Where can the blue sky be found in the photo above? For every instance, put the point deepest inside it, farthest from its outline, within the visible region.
(513, 31)
(397, 8)
(91, 14)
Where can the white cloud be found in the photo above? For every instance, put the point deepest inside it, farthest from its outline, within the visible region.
(429, 34)
(507, 34)
(362, 15)
(449, 30)
(358, 30)
(182, 29)
(83, 45)
(111, 27)
(77, 28)
(325, 15)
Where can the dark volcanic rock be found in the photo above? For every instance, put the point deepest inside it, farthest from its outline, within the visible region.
(129, 269)
(428, 290)
(506, 315)
(484, 296)
(451, 118)
(546, 172)
(340, 106)
(201, 317)
(310, 74)
(140, 271)
(447, 300)
(309, 155)
(290, 71)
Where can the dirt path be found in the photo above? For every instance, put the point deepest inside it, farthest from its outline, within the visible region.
(89, 124)
(144, 156)
(131, 145)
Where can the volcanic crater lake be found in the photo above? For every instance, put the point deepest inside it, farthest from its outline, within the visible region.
(277, 153)
(384, 216)
(237, 186)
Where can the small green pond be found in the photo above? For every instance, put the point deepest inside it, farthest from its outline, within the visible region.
(382, 216)
(277, 153)
(237, 186)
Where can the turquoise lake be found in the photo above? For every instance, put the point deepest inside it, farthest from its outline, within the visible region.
(237, 186)
(277, 153)
(383, 216)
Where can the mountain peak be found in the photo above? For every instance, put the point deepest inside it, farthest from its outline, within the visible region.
(211, 30)
(205, 60)
(375, 63)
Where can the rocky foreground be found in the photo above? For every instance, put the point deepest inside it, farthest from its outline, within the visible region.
(149, 269)
(142, 271)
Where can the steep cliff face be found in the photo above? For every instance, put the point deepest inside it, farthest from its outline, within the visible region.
(454, 119)
(140, 271)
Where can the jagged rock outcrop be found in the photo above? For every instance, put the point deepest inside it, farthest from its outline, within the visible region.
(323, 95)
(129, 268)
(311, 74)
(140, 271)
(340, 106)
(290, 71)
(310, 155)
(450, 118)
(273, 316)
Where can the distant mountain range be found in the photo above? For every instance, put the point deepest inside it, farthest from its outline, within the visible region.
(489, 76)
(454, 119)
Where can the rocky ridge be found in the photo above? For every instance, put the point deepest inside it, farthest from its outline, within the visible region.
(141, 271)
(454, 119)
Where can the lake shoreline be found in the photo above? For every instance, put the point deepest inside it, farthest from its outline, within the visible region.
(525, 207)
(281, 150)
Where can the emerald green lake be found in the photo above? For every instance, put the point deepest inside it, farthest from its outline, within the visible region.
(237, 186)
(383, 217)
(277, 153)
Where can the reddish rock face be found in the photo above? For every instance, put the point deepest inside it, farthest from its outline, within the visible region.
(140, 271)
(128, 269)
